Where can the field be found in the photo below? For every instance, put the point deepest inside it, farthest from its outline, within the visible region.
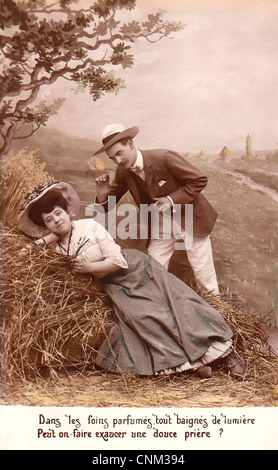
(244, 241)
(245, 249)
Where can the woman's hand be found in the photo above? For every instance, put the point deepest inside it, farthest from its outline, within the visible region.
(99, 269)
(47, 239)
(40, 242)
(81, 266)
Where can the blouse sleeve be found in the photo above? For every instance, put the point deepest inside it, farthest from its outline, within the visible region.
(109, 249)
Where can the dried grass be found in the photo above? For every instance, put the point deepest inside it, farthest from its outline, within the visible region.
(250, 333)
(20, 173)
(54, 318)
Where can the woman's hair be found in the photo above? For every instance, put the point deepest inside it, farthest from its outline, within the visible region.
(45, 205)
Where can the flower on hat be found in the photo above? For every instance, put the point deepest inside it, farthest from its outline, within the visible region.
(35, 192)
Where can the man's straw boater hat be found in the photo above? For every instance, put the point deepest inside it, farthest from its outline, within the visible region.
(113, 133)
(66, 190)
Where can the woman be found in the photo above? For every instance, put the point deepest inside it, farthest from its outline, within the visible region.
(162, 325)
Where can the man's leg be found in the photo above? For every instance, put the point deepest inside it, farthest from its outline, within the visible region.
(162, 250)
(199, 256)
(201, 260)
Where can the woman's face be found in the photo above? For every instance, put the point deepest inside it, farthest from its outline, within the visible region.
(58, 221)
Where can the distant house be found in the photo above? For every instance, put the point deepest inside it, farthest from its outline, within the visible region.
(225, 153)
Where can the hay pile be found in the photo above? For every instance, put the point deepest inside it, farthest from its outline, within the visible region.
(54, 318)
(20, 173)
(250, 334)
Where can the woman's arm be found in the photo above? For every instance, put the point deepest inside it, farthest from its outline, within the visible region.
(48, 239)
(97, 268)
(110, 251)
(112, 258)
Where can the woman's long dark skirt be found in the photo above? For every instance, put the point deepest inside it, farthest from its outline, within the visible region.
(161, 322)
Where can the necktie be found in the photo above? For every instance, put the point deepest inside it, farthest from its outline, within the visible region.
(139, 171)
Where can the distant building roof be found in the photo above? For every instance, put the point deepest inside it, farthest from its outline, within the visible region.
(225, 152)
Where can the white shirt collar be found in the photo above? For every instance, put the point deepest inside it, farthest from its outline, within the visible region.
(139, 164)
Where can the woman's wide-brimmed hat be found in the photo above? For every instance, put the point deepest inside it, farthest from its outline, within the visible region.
(113, 133)
(66, 190)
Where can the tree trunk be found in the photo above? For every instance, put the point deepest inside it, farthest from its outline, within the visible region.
(11, 131)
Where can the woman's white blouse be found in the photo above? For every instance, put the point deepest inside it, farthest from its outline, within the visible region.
(90, 241)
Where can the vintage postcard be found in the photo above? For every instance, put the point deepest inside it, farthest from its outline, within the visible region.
(139, 192)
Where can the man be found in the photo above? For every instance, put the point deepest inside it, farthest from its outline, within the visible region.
(165, 179)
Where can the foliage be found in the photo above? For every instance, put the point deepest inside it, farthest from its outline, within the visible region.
(43, 41)
(248, 147)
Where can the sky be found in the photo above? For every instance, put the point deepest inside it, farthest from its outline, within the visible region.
(208, 86)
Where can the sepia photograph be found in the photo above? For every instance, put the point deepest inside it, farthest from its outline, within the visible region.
(138, 221)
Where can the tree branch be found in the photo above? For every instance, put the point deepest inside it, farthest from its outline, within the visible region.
(29, 135)
(43, 46)
(60, 73)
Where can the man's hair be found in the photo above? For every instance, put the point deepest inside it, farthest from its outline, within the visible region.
(45, 205)
(124, 141)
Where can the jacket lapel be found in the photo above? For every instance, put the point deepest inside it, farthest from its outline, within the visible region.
(148, 171)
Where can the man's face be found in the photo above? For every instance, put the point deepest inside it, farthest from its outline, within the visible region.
(123, 154)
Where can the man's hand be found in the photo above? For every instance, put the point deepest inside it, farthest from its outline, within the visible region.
(163, 204)
(103, 187)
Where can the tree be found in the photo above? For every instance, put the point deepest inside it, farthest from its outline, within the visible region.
(45, 40)
(248, 147)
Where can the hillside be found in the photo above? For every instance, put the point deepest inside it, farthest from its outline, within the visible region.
(66, 157)
(244, 239)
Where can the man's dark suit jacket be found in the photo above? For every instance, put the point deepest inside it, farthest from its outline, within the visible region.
(168, 174)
